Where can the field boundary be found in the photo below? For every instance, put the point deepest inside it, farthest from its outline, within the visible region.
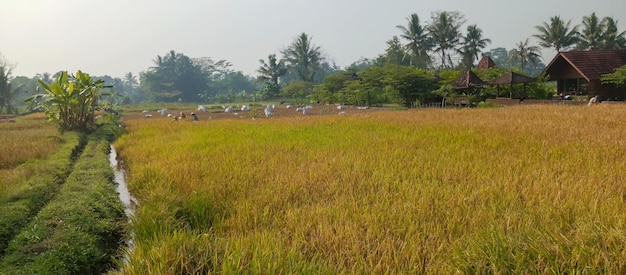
(39, 188)
(81, 229)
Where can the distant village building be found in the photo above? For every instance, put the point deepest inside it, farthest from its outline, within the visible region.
(467, 80)
(485, 63)
(511, 78)
(467, 83)
(579, 72)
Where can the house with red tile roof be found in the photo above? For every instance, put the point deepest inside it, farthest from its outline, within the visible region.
(579, 72)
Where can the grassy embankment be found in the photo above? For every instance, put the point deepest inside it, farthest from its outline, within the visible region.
(528, 189)
(79, 228)
(35, 159)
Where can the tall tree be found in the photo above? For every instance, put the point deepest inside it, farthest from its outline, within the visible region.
(5, 88)
(473, 44)
(130, 83)
(394, 54)
(612, 38)
(418, 42)
(526, 54)
(236, 82)
(45, 77)
(445, 33)
(500, 56)
(411, 85)
(360, 65)
(271, 70)
(333, 87)
(7, 91)
(130, 80)
(298, 90)
(174, 77)
(303, 57)
(557, 34)
(592, 33)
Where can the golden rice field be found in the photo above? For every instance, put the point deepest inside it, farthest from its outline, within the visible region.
(528, 189)
(28, 138)
(22, 139)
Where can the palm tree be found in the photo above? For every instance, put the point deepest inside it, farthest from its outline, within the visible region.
(557, 35)
(271, 70)
(444, 31)
(7, 91)
(175, 77)
(303, 57)
(394, 54)
(419, 43)
(591, 36)
(612, 38)
(526, 54)
(473, 43)
(5, 86)
(130, 83)
(130, 79)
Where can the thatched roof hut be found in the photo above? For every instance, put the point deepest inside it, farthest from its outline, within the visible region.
(512, 78)
(486, 63)
(467, 80)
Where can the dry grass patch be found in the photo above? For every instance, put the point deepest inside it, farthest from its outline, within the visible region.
(27, 138)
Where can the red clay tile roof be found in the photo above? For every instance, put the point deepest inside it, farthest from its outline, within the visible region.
(512, 78)
(589, 64)
(467, 79)
(485, 63)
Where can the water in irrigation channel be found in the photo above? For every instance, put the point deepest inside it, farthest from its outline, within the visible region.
(125, 196)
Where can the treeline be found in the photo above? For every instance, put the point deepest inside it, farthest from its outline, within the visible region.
(440, 44)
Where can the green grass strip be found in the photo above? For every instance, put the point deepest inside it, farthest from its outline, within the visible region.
(42, 183)
(81, 229)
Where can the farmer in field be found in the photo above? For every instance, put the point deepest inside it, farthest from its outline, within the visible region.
(593, 101)
(195, 117)
(183, 115)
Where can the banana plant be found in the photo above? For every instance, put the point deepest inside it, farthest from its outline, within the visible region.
(70, 100)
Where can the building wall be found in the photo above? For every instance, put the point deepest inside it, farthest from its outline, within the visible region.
(610, 92)
(561, 70)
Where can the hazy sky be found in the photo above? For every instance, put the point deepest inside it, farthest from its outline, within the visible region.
(118, 36)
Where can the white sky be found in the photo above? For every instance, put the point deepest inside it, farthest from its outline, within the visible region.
(118, 36)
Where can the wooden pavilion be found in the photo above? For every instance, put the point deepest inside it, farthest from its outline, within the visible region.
(579, 72)
(468, 83)
(511, 78)
(467, 80)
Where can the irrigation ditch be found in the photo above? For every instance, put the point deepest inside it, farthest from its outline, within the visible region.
(124, 194)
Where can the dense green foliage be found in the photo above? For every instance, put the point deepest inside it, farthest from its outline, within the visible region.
(71, 100)
(179, 78)
(618, 77)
